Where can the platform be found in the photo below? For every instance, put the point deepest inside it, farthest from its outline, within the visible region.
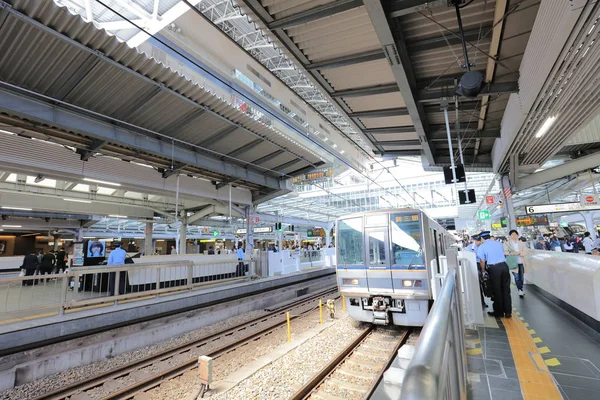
(41, 328)
(542, 352)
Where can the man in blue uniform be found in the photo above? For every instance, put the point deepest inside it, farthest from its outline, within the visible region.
(472, 247)
(492, 253)
(117, 257)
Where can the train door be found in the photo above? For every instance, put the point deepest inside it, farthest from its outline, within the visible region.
(379, 274)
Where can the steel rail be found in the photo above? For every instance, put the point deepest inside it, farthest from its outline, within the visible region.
(100, 379)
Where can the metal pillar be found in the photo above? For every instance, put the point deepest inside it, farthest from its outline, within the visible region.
(182, 237)
(249, 231)
(80, 235)
(148, 248)
(588, 217)
(511, 220)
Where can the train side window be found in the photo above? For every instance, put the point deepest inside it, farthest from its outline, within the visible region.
(350, 242)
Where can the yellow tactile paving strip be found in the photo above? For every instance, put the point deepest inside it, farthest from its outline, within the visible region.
(535, 378)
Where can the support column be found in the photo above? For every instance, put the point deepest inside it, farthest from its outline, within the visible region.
(80, 235)
(327, 236)
(511, 220)
(183, 236)
(148, 245)
(588, 217)
(249, 232)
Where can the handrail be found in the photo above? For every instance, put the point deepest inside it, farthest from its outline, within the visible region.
(437, 369)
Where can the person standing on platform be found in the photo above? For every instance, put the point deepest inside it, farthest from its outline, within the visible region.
(472, 247)
(588, 243)
(492, 253)
(117, 257)
(240, 256)
(540, 244)
(514, 247)
(30, 265)
(47, 263)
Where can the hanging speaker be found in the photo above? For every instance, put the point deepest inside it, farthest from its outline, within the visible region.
(470, 84)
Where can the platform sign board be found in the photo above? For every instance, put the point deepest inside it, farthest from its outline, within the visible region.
(590, 200)
(483, 215)
(78, 254)
(215, 233)
(538, 220)
(316, 232)
(490, 200)
(559, 208)
(263, 229)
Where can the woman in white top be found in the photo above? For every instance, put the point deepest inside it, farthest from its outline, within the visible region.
(514, 247)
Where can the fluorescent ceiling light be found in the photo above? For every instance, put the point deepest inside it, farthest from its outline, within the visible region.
(89, 237)
(11, 226)
(78, 200)
(546, 126)
(99, 181)
(117, 216)
(16, 208)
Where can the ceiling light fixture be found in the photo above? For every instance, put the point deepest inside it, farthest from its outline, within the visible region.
(546, 126)
(117, 216)
(99, 181)
(77, 200)
(17, 208)
(11, 226)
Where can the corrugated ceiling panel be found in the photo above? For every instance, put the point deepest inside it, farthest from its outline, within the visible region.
(294, 167)
(203, 128)
(283, 8)
(376, 102)
(104, 87)
(382, 138)
(434, 63)
(349, 32)
(474, 16)
(276, 161)
(360, 75)
(231, 142)
(396, 147)
(588, 134)
(387, 121)
(258, 152)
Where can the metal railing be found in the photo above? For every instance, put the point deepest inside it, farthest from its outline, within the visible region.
(438, 367)
(80, 288)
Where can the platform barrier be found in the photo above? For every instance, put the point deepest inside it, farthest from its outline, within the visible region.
(438, 369)
(83, 287)
(571, 277)
(289, 261)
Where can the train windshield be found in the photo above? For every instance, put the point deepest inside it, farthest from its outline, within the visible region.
(350, 242)
(406, 241)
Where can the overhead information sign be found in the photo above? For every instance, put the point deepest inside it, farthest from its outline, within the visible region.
(483, 215)
(559, 208)
(262, 229)
(532, 221)
(590, 200)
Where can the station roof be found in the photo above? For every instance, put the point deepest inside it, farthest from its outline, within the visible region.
(388, 64)
(107, 97)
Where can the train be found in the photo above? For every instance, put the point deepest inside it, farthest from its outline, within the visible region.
(383, 261)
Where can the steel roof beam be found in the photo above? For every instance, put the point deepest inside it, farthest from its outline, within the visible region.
(366, 91)
(177, 166)
(41, 111)
(387, 155)
(344, 61)
(245, 148)
(218, 136)
(488, 89)
(560, 171)
(399, 8)
(389, 112)
(390, 130)
(315, 13)
(393, 44)
(286, 165)
(96, 145)
(268, 156)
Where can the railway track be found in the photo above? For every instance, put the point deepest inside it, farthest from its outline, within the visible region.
(355, 373)
(142, 375)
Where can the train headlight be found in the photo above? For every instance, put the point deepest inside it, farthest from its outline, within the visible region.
(349, 281)
(407, 283)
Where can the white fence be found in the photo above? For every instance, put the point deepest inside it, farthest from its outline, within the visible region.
(288, 261)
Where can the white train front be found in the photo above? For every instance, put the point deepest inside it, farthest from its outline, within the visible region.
(382, 264)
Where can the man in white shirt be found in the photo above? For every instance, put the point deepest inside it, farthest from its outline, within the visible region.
(588, 243)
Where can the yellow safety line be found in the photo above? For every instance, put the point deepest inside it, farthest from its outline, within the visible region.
(534, 376)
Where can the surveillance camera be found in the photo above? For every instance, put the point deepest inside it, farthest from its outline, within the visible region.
(39, 178)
